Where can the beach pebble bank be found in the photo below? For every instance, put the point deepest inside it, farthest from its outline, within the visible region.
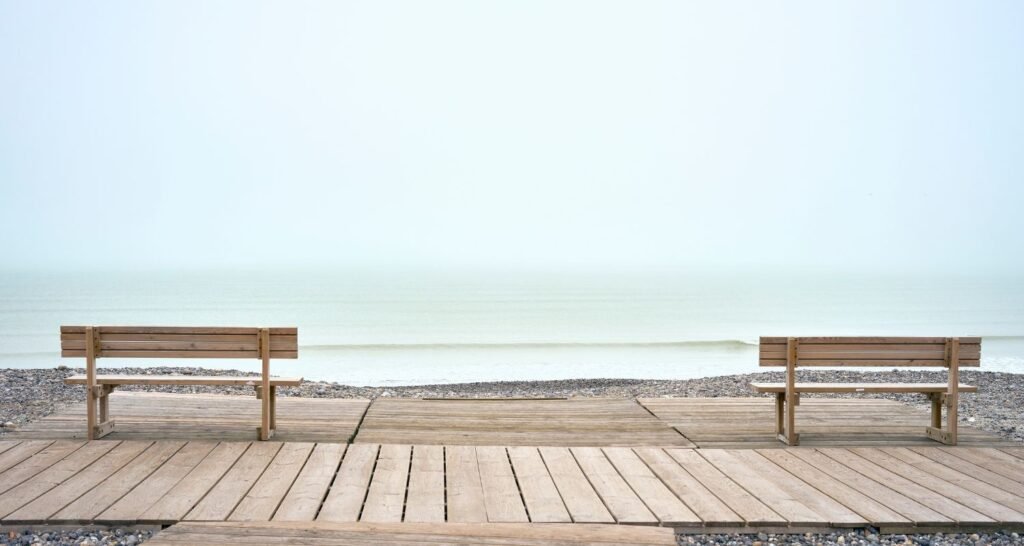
(82, 536)
(853, 538)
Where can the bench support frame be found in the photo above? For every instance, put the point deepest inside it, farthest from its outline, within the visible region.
(950, 399)
(97, 396)
(97, 401)
(786, 402)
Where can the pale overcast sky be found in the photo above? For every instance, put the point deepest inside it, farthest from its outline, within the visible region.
(548, 134)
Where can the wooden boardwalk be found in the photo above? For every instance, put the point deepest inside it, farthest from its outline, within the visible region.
(750, 422)
(169, 481)
(575, 422)
(160, 416)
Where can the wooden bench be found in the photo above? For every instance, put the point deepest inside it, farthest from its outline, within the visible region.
(890, 352)
(92, 342)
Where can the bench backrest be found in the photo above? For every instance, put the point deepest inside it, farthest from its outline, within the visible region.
(177, 342)
(870, 351)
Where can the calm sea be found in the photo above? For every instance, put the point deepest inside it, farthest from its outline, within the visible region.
(380, 329)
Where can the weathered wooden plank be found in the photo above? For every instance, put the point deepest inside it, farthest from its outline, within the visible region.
(992, 459)
(957, 491)
(7, 444)
(947, 507)
(957, 478)
(465, 494)
(310, 488)
(752, 510)
(868, 508)
(502, 499)
(51, 477)
(699, 498)
(425, 501)
(19, 453)
(130, 506)
(620, 499)
(751, 478)
(385, 499)
(104, 495)
(582, 502)
(345, 499)
(901, 504)
(184, 495)
(656, 495)
(262, 500)
(50, 502)
(943, 456)
(336, 534)
(836, 513)
(540, 494)
(218, 504)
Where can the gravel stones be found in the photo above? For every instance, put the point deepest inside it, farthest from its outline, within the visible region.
(82, 536)
(853, 538)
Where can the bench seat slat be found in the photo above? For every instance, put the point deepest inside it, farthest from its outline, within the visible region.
(862, 387)
(184, 380)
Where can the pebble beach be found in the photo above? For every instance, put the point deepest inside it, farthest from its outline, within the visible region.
(998, 407)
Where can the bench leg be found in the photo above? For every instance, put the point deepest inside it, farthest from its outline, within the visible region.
(786, 419)
(270, 401)
(273, 407)
(936, 399)
(936, 432)
(950, 399)
(101, 397)
(105, 404)
(266, 429)
(780, 409)
(789, 436)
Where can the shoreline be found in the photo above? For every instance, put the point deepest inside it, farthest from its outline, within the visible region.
(998, 407)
